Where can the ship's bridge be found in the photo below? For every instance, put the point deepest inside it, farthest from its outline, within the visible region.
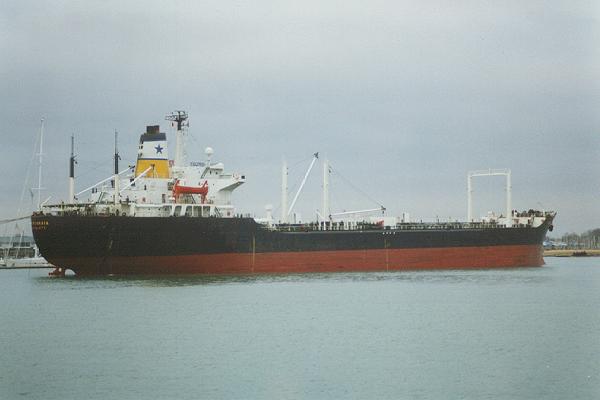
(159, 186)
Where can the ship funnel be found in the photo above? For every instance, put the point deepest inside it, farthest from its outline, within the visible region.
(153, 129)
(153, 152)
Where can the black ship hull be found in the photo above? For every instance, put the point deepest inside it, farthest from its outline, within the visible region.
(103, 245)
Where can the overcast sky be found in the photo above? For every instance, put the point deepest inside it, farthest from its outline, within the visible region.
(403, 97)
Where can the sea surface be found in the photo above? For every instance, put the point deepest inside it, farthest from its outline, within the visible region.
(487, 334)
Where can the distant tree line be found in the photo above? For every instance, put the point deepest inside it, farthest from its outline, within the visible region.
(587, 240)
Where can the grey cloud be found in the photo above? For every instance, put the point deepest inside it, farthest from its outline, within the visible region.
(403, 97)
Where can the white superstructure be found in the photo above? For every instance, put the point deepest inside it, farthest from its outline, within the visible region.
(158, 186)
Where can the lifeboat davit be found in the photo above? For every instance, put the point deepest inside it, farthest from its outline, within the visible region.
(179, 189)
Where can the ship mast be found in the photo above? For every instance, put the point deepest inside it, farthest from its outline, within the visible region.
(117, 157)
(326, 208)
(490, 172)
(116, 171)
(284, 192)
(179, 117)
(72, 171)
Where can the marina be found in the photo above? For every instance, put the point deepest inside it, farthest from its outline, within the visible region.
(19, 251)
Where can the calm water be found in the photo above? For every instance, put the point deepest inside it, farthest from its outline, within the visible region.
(507, 334)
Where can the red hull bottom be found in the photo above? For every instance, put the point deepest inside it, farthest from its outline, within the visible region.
(317, 261)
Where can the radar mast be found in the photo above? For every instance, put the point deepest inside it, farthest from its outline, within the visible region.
(180, 117)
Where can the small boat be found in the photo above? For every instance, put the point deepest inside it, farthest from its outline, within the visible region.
(28, 262)
(37, 261)
(180, 189)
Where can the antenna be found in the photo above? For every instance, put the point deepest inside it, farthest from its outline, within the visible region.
(178, 116)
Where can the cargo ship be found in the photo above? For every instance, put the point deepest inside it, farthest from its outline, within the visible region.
(173, 217)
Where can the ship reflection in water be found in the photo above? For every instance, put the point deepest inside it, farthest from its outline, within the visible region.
(483, 276)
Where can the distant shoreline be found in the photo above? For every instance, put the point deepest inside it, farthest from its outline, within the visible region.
(572, 253)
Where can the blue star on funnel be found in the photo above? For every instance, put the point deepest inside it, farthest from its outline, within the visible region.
(158, 149)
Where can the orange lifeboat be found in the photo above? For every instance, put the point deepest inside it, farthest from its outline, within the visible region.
(179, 189)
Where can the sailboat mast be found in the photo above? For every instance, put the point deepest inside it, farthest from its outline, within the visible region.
(40, 155)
